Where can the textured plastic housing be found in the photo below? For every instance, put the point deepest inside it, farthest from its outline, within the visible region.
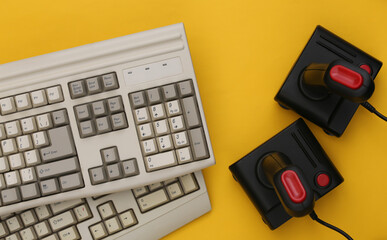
(302, 149)
(333, 113)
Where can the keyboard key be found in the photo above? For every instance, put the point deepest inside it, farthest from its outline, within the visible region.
(161, 127)
(114, 171)
(106, 210)
(86, 129)
(14, 224)
(128, 219)
(97, 175)
(119, 121)
(140, 191)
(70, 233)
(137, 99)
(157, 111)
(82, 112)
(191, 112)
(145, 131)
(60, 118)
(77, 89)
(7, 105)
(174, 191)
(14, 236)
(2, 132)
(110, 155)
(184, 155)
(113, 225)
(12, 179)
(40, 139)
(180, 139)
(115, 104)
(57, 168)
(28, 234)
(98, 231)
(2, 182)
(71, 182)
(169, 92)
(24, 143)
(164, 143)
(13, 129)
(62, 220)
(8, 146)
(54, 94)
(93, 85)
(4, 167)
(44, 121)
(155, 186)
(176, 124)
(10, 196)
(65, 205)
(42, 212)
(130, 167)
(82, 213)
(16, 161)
(49, 187)
(28, 218)
(185, 88)
(149, 147)
(62, 144)
(28, 125)
(42, 229)
(161, 160)
(188, 183)
(103, 125)
(23, 102)
(199, 146)
(99, 108)
(3, 230)
(38, 98)
(173, 108)
(32, 157)
(28, 175)
(109, 81)
(141, 115)
(30, 191)
(152, 200)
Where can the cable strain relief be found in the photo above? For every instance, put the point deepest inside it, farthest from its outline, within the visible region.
(368, 106)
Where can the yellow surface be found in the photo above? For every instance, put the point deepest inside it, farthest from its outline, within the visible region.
(242, 52)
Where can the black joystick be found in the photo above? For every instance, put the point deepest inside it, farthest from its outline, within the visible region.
(290, 184)
(338, 77)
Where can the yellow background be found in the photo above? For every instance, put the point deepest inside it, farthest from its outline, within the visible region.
(242, 51)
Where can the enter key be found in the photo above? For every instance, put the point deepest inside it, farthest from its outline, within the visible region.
(62, 145)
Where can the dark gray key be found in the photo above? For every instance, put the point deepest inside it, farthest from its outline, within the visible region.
(49, 186)
(70, 182)
(130, 167)
(82, 112)
(57, 168)
(93, 85)
(114, 171)
(119, 121)
(103, 125)
(169, 92)
(191, 112)
(97, 175)
(99, 108)
(110, 155)
(87, 129)
(30, 191)
(60, 118)
(109, 81)
(153, 95)
(77, 89)
(137, 99)
(10, 196)
(115, 105)
(62, 144)
(198, 143)
(185, 88)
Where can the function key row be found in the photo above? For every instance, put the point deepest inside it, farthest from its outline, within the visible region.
(93, 85)
(100, 117)
(30, 100)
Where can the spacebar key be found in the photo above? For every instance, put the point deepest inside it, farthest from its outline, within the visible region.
(159, 161)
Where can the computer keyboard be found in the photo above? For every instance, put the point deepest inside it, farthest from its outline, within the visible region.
(100, 118)
(148, 212)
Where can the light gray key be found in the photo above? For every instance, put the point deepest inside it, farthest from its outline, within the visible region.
(130, 167)
(10, 196)
(109, 81)
(110, 155)
(153, 95)
(137, 99)
(119, 121)
(191, 112)
(97, 175)
(103, 125)
(60, 118)
(114, 171)
(99, 108)
(115, 105)
(62, 144)
(86, 129)
(71, 182)
(30, 191)
(93, 85)
(57, 168)
(82, 112)
(198, 143)
(185, 88)
(169, 92)
(77, 89)
(49, 186)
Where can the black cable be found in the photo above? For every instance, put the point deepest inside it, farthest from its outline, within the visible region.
(314, 216)
(370, 108)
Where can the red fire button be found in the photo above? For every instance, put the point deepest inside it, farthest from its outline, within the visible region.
(346, 76)
(323, 180)
(293, 186)
(366, 67)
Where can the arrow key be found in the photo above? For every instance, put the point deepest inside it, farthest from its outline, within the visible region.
(128, 219)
